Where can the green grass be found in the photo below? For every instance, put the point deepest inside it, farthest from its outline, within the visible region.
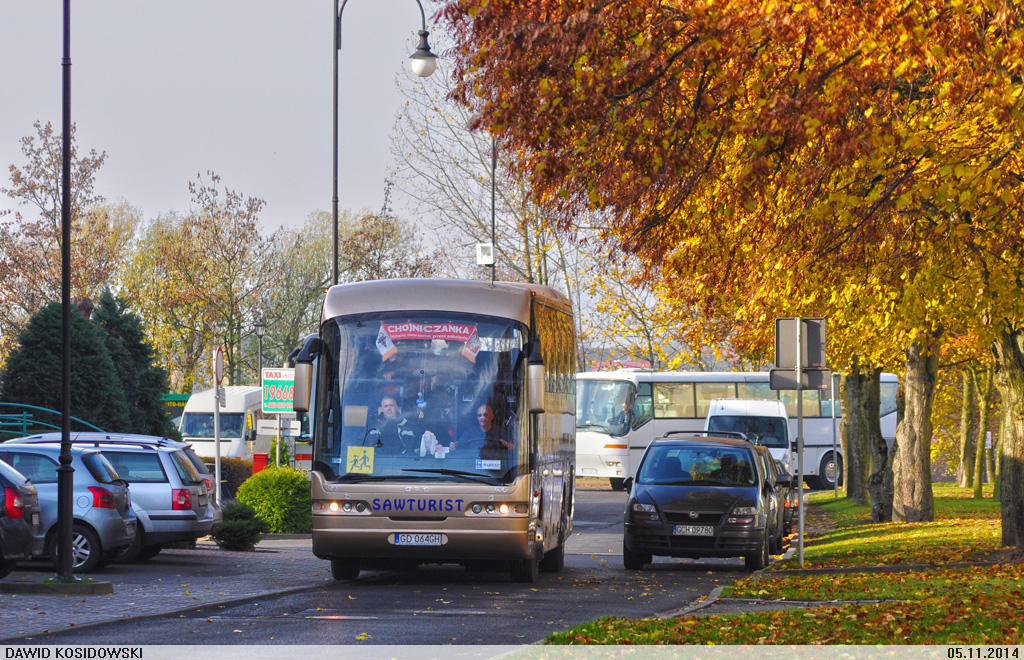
(939, 605)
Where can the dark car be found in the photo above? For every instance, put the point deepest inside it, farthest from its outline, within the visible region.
(700, 494)
(777, 528)
(21, 530)
(790, 503)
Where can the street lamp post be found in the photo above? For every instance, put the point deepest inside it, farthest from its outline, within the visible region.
(423, 63)
(261, 329)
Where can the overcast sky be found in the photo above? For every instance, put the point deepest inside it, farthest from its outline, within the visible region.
(173, 88)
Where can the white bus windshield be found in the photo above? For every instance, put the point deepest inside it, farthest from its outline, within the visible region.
(604, 405)
(200, 425)
(428, 396)
(767, 431)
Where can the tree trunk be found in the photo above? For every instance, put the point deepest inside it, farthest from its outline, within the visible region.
(983, 384)
(998, 472)
(965, 470)
(879, 481)
(912, 466)
(1010, 380)
(856, 458)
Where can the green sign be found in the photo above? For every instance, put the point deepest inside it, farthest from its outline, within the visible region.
(278, 390)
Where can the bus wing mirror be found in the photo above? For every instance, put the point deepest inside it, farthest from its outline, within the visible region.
(303, 386)
(535, 379)
(304, 373)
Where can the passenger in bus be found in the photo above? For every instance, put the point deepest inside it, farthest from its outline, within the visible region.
(495, 445)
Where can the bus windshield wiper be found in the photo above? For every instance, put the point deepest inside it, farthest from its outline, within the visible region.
(592, 426)
(471, 476)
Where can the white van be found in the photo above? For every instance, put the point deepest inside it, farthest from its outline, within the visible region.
(763, 421)
(238, 417)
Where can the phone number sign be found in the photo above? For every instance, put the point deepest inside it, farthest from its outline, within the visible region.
(278, 390)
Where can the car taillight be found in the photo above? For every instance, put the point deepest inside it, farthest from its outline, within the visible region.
(181, 499)
(102, 498)
(13, 504)
(209, 484)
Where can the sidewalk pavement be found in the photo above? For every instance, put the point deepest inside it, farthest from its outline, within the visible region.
(173, 581)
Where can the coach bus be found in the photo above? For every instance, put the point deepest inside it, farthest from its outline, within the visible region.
(441, 415)
(620, 412)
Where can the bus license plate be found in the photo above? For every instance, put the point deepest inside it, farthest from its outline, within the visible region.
(694, 530)
(417, 539)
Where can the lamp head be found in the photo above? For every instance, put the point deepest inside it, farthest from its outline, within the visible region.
(261, 328)
(423, 61)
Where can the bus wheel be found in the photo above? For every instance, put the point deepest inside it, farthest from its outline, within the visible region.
(554, 559)
(525, 570)
(831, 470)
(617, 484)
(344, 569)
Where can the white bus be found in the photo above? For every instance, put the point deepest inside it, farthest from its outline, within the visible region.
(442, 421)
(238, 417)
(609, 444)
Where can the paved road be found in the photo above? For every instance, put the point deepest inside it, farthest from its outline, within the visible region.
(283, 595)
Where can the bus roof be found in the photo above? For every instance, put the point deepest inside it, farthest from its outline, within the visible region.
(509, 300)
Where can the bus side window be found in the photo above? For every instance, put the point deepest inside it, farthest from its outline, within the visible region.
(643, 406)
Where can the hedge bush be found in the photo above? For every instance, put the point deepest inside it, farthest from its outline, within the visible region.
(281, 498)
(279, 445)
(234, 471)
(241, 529)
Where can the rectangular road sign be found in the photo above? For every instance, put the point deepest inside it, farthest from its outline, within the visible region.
(811, 379)
(278, 390)
(266, 426)
(813, 336)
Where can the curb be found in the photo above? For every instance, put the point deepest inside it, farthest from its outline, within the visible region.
(94, 588)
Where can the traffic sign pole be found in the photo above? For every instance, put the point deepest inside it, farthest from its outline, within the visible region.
(218, 378)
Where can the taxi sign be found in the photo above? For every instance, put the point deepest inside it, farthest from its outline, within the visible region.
(278, 390)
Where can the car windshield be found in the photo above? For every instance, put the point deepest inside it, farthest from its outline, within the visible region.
(200, 425)
(186, 471)
(604, 405)
(674, 464)
(764, 431)
(100, 468)
(423, 397)
(11, 474)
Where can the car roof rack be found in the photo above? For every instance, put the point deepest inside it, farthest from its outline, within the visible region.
(707, 434)
(102, 438)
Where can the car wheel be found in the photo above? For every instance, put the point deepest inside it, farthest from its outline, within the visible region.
(760, 560)
(634, 561)
(132, 550)
(86, 551)
(344, 569)
(617, 484)
(831, 470)
(6, 567)
(526, 570)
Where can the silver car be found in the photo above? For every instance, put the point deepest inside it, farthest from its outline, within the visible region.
(171, 497)
(104, 523)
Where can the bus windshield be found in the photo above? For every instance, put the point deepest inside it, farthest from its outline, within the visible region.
(200, 425)
(424, 397)
(766, 431)
(604, 405)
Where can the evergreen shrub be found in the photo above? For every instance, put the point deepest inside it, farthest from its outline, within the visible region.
(234, 471)
(241, 529)
(280, 497)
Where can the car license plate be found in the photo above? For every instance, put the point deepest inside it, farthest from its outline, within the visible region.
(129, 529)
(202, 501)
(694, 530)
(417, 539)
(35, 520)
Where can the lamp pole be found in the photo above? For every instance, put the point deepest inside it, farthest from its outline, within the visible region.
(423, 63)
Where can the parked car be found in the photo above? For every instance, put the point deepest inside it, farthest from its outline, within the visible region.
(172, 499)
(777, 500)
(104, 523)
(21, 528)
(698, 494)
(790, 504)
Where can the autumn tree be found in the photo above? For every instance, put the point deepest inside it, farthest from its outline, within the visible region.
(30, 263)
(857, 162)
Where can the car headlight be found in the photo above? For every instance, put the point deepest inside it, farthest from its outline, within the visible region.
(644, 512)
(786, 461)
(644, 508)
(744, 511)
